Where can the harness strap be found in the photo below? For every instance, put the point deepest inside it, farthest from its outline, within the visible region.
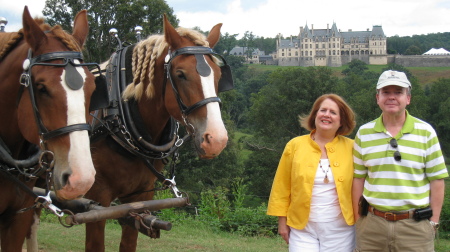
(65, 130)
(202, 103)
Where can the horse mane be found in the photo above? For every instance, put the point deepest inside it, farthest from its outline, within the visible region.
(146, 53)
(9, 40)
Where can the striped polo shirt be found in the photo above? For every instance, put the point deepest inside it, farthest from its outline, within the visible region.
(392, 185)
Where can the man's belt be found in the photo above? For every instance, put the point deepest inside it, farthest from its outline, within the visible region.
(392, 216)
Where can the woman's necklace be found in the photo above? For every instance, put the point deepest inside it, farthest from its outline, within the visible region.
(325, 180)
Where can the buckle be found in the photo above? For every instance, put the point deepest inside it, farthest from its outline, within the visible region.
(388, 214)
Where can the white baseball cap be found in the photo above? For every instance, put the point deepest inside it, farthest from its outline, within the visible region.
(391, 77)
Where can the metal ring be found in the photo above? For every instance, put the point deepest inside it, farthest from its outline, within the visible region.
(67, 211)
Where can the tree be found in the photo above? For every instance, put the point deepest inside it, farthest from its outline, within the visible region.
(107, 14)
(248, 42)
(226, 43)
(290, 92)
(194, 174)
(413, 50)
(439, 100)
(356, 66)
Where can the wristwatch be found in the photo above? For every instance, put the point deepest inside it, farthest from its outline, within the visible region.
(434, 224)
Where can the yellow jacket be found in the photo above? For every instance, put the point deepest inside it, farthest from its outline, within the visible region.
(294, 180)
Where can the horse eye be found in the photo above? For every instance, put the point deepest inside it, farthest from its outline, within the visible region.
(181, 75)
(42, 89)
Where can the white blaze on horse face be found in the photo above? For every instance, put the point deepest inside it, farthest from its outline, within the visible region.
(215, 136)
(79, 160)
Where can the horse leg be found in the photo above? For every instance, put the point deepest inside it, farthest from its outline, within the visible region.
(128, 243)
(13, 235)
(32, 243)
(95, 236)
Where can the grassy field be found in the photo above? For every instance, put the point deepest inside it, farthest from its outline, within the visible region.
(187, 236)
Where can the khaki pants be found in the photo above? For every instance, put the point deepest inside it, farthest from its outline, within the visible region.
(375, 234)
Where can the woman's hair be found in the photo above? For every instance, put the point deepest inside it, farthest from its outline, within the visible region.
(346, 113)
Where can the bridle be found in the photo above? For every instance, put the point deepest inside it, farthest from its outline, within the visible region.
(73, 80)
(225, 82)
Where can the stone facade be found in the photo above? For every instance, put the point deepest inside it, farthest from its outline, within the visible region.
(331, 47)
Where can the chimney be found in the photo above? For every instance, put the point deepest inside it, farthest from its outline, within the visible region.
(312, 29)
(301, 29)
(367, 29)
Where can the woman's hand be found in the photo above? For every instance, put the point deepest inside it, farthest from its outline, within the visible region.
(283, 228)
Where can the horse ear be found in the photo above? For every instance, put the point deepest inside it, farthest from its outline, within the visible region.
(80, 27)
(214, 35)
(170, 34)
(31, 30)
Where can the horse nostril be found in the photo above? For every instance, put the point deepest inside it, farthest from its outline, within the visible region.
(207, 137)
(65, 179)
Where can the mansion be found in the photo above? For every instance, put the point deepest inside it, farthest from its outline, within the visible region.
(331, 47)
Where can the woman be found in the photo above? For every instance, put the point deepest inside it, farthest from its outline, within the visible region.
(311, 192)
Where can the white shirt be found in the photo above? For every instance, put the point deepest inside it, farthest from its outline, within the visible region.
(324, 202)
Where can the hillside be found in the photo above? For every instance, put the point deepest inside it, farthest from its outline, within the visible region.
(425, 75)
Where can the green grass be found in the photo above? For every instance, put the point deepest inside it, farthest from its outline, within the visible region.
(186, 236)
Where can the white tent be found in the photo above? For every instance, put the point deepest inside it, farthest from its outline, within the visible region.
(440, 51)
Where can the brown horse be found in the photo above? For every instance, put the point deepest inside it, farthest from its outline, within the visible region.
(175, 75)
(45, 91)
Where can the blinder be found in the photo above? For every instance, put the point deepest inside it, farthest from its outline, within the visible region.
(100, 96)
(73, 79)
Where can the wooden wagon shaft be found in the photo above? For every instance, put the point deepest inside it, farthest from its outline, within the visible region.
(115, 212)
(85, 205)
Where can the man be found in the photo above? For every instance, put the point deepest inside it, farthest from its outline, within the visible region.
(399, 171)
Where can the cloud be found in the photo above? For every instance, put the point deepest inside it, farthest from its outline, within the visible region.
(270, 17)
(267, 18)
(13, 10)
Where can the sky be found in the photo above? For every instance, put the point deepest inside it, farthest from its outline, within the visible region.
(267, 18)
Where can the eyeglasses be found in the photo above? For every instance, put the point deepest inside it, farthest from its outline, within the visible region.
(394, 144)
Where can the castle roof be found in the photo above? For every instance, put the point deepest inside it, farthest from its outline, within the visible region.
(322, 35)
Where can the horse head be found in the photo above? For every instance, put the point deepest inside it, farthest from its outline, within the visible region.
(192, 98)
(56, 98)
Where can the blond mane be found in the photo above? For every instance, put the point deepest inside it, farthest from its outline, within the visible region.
(144, 58)
(8, 40)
